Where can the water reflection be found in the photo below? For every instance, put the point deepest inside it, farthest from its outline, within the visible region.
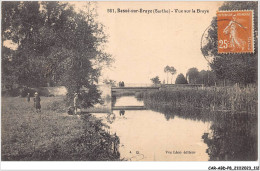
(126, 101)
(159, 134)
(113, 101)
(232, 136)
(233, 139)
(146, 135)
(122, 112)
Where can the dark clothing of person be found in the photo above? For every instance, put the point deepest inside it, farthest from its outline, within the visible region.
(37, 102)
(121, 84)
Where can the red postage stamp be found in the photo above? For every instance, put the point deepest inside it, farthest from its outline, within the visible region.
(235, 32)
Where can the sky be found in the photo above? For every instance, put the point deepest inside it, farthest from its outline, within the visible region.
(143, 44)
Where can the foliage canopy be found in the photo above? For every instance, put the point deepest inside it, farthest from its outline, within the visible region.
(236, 67)
(55, 45)
(181, 79)
(156, 80)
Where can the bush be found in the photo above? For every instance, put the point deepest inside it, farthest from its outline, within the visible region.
(87, 98)
(23, 91)
(43, 91)
(139, 95)
(11, 93)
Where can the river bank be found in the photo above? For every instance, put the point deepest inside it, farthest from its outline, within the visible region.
(53, 135)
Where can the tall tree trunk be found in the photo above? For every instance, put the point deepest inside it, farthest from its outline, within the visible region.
(167, 77)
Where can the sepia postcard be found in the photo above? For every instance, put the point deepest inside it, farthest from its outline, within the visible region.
(117, 81)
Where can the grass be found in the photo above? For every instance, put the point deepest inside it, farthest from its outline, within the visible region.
(52, 135)
(212, 98)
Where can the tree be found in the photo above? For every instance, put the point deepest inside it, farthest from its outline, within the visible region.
(207, 78)
(171, 70)
(9, 80)
(236, 67)
(166, 70)
(193, 75)
(156, 80)
(20, 26)
(181, 79)
(55, 44)
(202, 77)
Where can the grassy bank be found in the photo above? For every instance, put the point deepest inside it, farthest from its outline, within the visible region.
(52, 135)
(214, 99)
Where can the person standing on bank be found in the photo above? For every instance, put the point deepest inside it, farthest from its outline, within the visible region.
(76, 102)
(28, 97)
(37, 102)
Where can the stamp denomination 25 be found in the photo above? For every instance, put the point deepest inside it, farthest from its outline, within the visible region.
(235, 32)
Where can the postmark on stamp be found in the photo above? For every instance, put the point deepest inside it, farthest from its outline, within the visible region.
(235, 32)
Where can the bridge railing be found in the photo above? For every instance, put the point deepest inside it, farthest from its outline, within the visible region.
(161, 85)
(137, 85)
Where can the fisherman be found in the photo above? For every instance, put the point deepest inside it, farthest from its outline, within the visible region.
(37, 102)
(76, 102)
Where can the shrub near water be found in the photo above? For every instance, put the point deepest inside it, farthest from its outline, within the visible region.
(139, 95)
(221, 98)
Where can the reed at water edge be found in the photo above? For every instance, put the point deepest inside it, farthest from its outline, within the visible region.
(210, 98)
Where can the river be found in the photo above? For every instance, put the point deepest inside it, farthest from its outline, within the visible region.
(147, 135)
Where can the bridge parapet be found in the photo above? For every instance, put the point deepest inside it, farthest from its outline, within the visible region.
(136, 89)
